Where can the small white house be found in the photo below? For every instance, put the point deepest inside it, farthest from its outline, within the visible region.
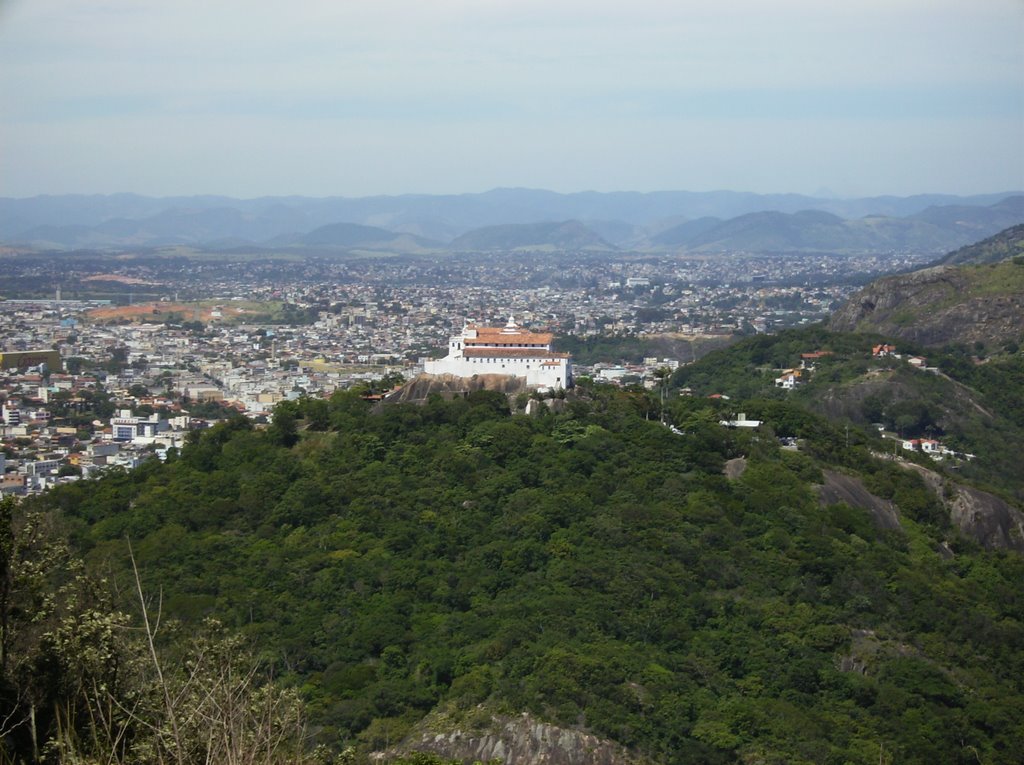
(741, 421)
(788, 380)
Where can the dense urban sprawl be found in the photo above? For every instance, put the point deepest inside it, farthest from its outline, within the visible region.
(152, 348)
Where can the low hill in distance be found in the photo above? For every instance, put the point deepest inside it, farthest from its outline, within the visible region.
(346, 236)
(700, 221)
(1006, 244)
(173, 226)
(974, 222)
(947, 304)
(565, 235)
(686, 232)
(934, 229)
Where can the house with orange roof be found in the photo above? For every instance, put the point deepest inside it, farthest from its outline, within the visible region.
(807, 359)
(510, 350)
(789, 379)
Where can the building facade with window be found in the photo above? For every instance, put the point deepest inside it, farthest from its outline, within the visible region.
(509, 350)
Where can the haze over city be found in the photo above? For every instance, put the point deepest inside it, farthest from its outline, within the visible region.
(325, 98)
(511, 382)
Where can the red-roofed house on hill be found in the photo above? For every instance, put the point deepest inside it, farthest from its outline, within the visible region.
(508, 350)
(807, 359)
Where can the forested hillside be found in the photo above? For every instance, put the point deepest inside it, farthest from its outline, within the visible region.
(972, 400)
(593, 568)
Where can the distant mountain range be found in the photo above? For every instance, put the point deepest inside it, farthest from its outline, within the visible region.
(511, 219)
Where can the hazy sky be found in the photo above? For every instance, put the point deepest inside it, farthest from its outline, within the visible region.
(323, 97)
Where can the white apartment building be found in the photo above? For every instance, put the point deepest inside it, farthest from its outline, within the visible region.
(11, 415)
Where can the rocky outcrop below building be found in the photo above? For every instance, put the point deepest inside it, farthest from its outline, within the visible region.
(735, 468)
(422, 387)
(519, 740)
(940, 305)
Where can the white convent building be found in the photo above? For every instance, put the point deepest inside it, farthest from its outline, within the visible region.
(507, 350)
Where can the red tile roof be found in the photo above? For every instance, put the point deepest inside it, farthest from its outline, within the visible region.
(491, 335)
(513, 353)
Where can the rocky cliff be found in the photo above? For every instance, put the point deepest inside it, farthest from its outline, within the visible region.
(983, 517)
(952, 405)
(851, 491)
(940, 305)
(992, 521)
(520, 740)
(450, 386)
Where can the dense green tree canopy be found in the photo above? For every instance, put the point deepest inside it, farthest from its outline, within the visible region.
(592, 567)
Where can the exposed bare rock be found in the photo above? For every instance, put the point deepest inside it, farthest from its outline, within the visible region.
(520, 740)
(534, 406)
(843, 488)
(846, 401)
(939, 305)
(852, 663)
(990, 520)
(450, 386)
(735, 467)
(868, 649)
(984, 517)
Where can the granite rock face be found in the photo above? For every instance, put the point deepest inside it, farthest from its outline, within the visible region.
(986, 518)
(934, 306)
(851, 491)
(520, 740)
(450, 386)
(989, 520)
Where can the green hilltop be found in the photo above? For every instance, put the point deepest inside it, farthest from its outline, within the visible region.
(685, 593)
(1006, 244)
